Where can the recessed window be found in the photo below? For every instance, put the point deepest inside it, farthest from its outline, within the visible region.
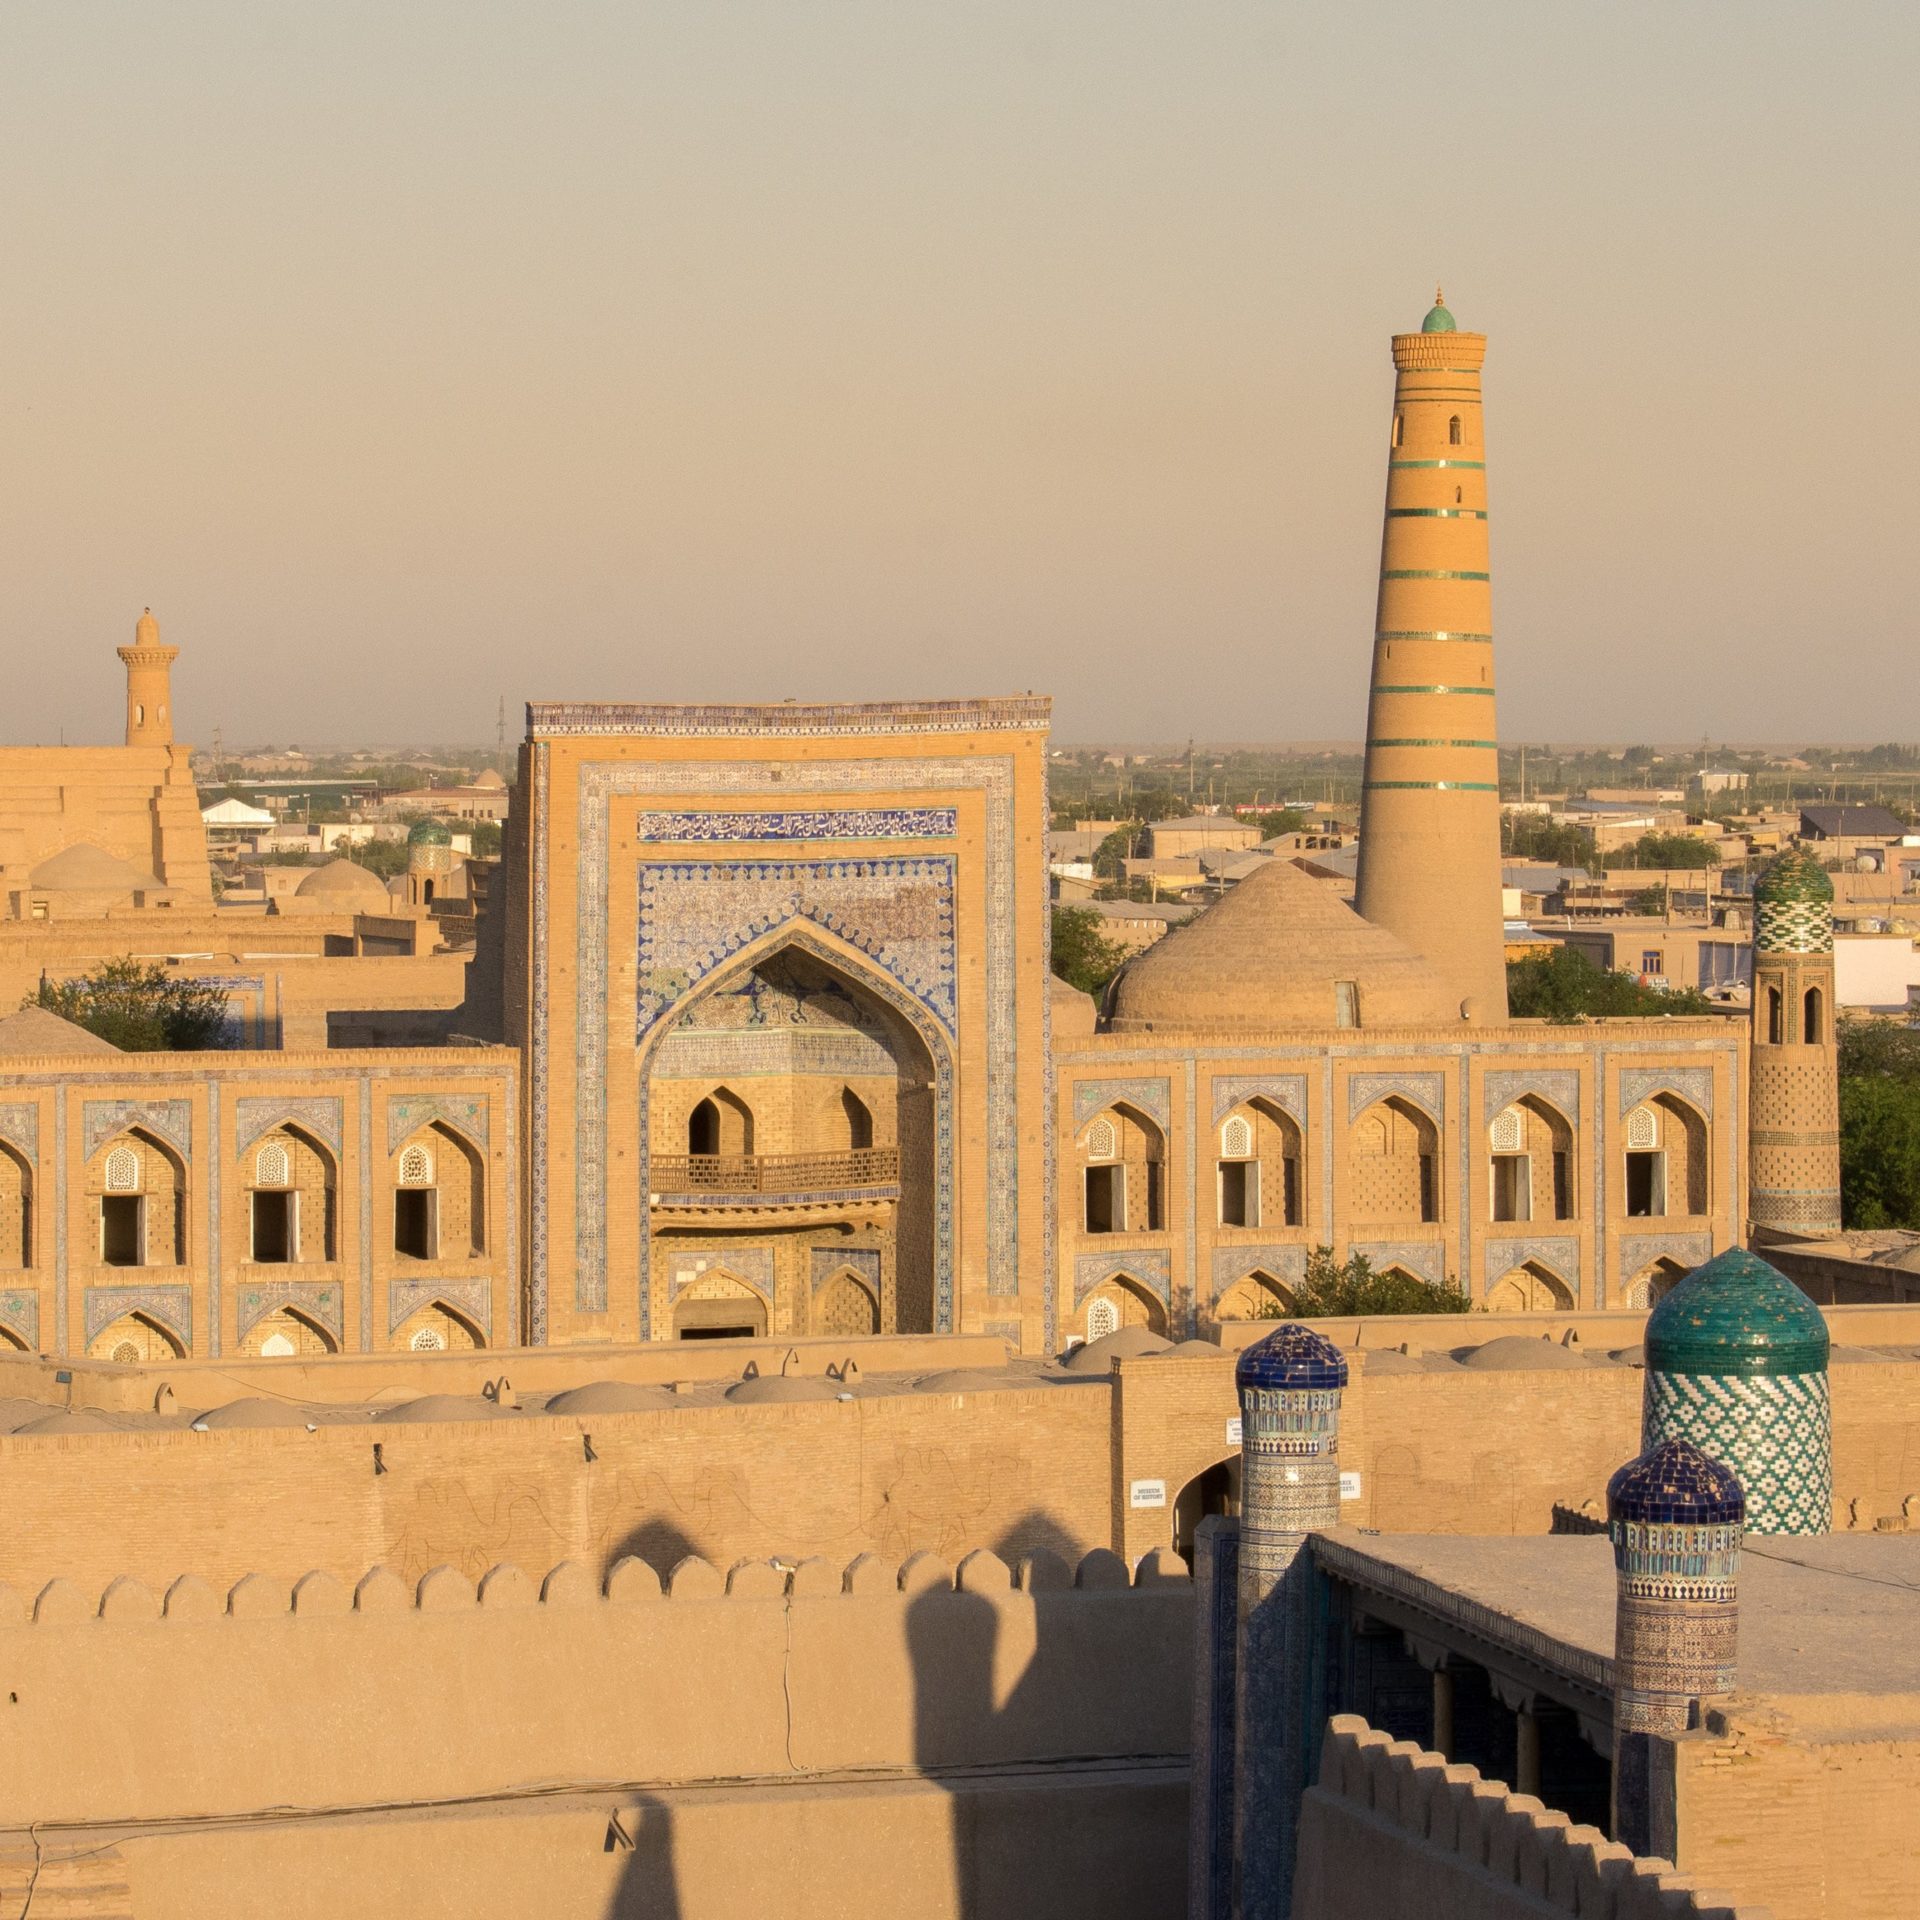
(1346, 1003)
(122, 1239)
(1453, 431)
(1512, 1186)
(1239, 1193)
(1813, 1023)
(1106, 1195)
(1396, 429)
(274, 1236)
(415, 1229)
(1646, 1185)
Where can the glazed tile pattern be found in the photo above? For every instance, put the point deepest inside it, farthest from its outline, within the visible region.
(1287, 1091)
(20, 1127)
(1426, 1091)
(1233, 1263)
(1154, 1098)
(319, 1117)
(473, 1298)
(825, 823)
(1774, 1431)
(690, 1263)
(1693, 1084)
(320, 1301)
(596, 1019)
(464, 1113)
(1289, 1387)
(1152, 1270)
(1558, 1086)
(168, 1120)
(170, 1307)
(848, 720)
(695, 916)
(20, 1310)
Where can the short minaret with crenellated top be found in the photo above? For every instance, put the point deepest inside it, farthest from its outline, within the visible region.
(149, 685)
(1430, 802)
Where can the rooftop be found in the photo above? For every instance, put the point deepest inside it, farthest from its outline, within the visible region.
(1820, 1618)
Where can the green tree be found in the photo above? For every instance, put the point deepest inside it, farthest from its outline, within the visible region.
(1107, 856)
(486, 838)
(1332, 1287)
(1879, 1124)
(1286, 820)
(1082, 955)
(1534, 836)
(1676, 852)
(1649, 900)
(138, 1007)
(1562, 984)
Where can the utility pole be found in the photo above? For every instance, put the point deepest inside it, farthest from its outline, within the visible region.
(500, 730)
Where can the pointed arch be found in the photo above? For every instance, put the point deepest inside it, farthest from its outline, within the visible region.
(1393, 1163)
(924, 1236)
(721, 1305)
(1653, 1283)
(439, 1180)
(436, 1326)
(844, 1305)
(1530, 1170)
(1255, 1296)
(291, 1177)
(136, 1339)
(16, 1209)
(286, 1333)
(138, 1185)
(1131, 1305)
(11, 1342)
(1530, 1287)
(1123, 1191)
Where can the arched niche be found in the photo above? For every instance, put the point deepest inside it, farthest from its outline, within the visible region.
(1530, 1171)
(1126, 1303)
(439, 1180)
(286, 1334)
(135, 1340)
(1259, 1171)
(1254, 1296)
(1123, 1172)
(16, 1210)
(1393, 1164)
(436, 1327)
(848, 1082)
(1667, 1166)
(291, 1181)
(845, 1306)
(136, 1187)
(1530, 1288)
(720, 1306)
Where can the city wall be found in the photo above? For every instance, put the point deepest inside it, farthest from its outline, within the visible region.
(1811, 1800)
(1106, 1461)
(1391, 1828)
(827, 1736)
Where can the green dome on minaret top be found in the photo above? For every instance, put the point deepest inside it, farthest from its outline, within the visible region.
(429, 833)
(1439, 320)
(1795, 878)
(1736, 1317)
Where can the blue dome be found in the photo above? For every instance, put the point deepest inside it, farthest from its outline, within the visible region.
(1291, 1359)
(1675, 1484)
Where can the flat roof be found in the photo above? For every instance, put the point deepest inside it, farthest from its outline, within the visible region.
(1832, 1621)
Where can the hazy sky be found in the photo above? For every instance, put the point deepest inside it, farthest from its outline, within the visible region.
(407, 354)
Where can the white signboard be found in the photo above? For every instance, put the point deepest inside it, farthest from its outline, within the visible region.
(1233, 1431)
(1349, 1486)
(1148, 1493)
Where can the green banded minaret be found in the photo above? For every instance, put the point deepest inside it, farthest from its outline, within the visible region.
(1430, 802)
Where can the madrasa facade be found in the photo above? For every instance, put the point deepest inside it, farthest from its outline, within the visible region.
(759, 1037)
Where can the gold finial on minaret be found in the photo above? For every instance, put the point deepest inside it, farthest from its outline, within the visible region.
(149, 685)
(1439, 294)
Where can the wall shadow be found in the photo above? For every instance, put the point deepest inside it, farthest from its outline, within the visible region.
(649, 1887)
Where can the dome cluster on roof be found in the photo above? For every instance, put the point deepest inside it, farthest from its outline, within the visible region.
(1291, 1359)
(1736, 1316)
(1675, 1484)
(1274, 956)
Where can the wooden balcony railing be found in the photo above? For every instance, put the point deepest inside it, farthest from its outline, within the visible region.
(701, 1174)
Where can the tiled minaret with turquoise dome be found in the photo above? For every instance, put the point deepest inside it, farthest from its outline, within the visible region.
(1737, 1366)
(1793, 1107)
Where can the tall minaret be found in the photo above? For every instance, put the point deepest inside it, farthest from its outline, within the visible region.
(1430, 802)
(1793, 1106)
(149, 685)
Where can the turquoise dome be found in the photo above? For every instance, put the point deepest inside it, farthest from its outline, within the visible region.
(429, 833)
(1736, 1317)
(1794, 878)
(1438, 321)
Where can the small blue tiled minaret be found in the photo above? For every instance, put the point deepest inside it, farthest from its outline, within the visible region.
(1675, 1516)
(1290, 1385)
